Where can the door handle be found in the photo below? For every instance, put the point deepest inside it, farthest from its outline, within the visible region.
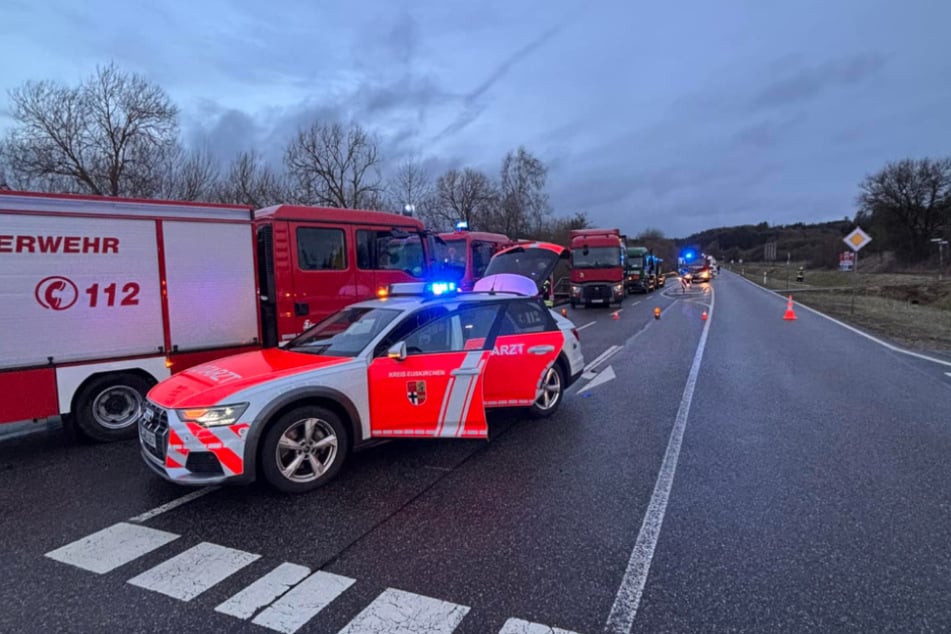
(301, 309)
(541, 349)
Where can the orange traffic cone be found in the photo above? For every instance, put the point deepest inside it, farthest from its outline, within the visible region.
(789, 315)
(564, 312)
(657, 313)
(703, 316)
(616, 315)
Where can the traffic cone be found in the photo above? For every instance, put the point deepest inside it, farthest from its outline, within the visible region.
(657, 313)
(789, 315)
(703, 316)
(616, 315)
(564, 312)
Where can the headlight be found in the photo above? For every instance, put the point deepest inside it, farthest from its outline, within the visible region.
(213, 416)
(575, 290)
(619, 288)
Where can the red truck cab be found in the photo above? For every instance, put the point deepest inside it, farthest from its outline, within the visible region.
(467, 253)
(597, 267)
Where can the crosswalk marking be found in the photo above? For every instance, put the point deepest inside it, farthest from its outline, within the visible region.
(302, 603)
(398, 612)
(260, 593)
(187, 575)
(518, 626)
(111, 547)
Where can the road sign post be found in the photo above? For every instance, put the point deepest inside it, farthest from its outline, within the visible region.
(856, 240)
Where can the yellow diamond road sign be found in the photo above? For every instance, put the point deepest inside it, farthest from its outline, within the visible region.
(857, 239)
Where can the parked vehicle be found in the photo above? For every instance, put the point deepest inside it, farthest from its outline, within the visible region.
(469, 253)
(597, 267)
(103, 297)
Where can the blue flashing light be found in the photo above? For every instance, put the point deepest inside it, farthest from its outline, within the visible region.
(689, 255)
(462, 225)
(442, 288)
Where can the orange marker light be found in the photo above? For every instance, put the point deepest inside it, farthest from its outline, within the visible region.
(168, 362)
(382, 292)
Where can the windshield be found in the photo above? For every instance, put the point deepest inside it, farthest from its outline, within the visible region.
(451, 256)
(596, 257)
(402, 254)
(636, 262)
(344, 334)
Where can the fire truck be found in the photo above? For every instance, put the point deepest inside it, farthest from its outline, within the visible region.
(597, 267)
(467, 253)
(103, 297)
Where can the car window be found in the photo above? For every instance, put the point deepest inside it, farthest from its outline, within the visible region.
(321, 249)
(524, 317)
(466, 328)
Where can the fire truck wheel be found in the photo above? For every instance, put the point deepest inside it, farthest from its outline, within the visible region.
(304, 449)
(553, 388)
(108, 406)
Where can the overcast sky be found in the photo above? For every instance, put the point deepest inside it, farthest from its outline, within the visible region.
(676, 115)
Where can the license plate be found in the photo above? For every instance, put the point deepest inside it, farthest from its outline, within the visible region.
(148, 437)
(597, 301)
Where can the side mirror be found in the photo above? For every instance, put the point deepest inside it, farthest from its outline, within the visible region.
(397, 351)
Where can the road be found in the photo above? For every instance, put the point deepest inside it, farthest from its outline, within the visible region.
(739, 473)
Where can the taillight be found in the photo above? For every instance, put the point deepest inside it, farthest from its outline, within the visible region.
(575, 332)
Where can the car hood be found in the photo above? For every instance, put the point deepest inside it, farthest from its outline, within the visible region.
(534, 260)
(212, 383)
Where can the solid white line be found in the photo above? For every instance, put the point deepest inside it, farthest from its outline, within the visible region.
(168, 506)
(947, 373)
(260, 593)
(187, 575)
(590, 323)
(885, 344)
(601, 357)
(621, 618)
(518, 626)
(302, 603)
(398, 612)
(111, 547)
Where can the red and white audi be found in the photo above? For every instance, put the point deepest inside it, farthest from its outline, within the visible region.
(423, 362)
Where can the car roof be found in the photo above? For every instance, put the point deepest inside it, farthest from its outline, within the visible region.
(410, 302)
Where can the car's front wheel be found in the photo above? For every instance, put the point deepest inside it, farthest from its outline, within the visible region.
(553, 388)
(304, 449)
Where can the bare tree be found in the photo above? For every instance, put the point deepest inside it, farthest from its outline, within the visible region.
(523, 204)
(467, 195)
(411, 184)
(333, 165)
(106, 136)
(249, 181)
(190, 175)
(908, 203)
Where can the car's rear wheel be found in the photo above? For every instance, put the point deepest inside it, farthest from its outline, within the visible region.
(304, 449)
(553, 389)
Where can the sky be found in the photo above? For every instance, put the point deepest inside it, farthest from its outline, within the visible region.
(679, 116)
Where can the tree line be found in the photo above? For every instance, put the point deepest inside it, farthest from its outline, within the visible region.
(117, 134)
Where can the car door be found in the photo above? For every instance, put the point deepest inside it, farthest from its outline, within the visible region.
(435, 391)
(527, 345)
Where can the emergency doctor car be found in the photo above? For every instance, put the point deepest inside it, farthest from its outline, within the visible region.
(424, 362)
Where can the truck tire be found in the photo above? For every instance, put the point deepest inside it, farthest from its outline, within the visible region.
(553, 392)
(304, 449)
(108, 406)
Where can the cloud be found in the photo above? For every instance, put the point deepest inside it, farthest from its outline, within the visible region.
(809, 82)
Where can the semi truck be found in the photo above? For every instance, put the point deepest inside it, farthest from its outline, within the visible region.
(103, 297)
(597, 267)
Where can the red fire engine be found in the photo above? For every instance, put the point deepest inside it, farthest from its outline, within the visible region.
(103, 297)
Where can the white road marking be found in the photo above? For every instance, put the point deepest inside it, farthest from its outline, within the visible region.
(168, 506)
(621, 618)
(601, 357)
(947, 373)
(260, 593)
(398, 612)
(600, 378)
(111, 547)
(302, 603)
(884, 344)
(518, 626)
(187, 575)
(590, 323)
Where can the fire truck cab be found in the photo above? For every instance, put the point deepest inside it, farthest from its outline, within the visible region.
(467, 253)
